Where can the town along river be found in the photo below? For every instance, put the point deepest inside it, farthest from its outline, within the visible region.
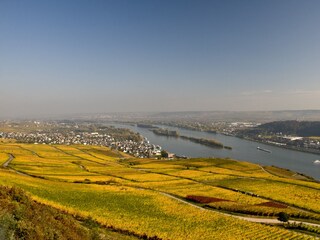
(241, 149)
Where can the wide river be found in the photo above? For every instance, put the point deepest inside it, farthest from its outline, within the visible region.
(241, 149)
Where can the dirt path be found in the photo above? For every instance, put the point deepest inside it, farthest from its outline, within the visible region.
(180, 200)
(231, 189)
(250, 219)
(11, 157)
(6, 165)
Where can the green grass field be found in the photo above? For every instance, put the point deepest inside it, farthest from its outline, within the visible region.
(149, 197)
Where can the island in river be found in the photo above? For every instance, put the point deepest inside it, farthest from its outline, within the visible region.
(203, 141)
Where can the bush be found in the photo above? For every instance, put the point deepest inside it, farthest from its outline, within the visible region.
(283, 217)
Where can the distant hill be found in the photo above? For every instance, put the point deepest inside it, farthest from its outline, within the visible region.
(204, 116)
(299, 128)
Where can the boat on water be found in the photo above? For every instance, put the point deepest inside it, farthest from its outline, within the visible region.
(316, 162)
(264, 150)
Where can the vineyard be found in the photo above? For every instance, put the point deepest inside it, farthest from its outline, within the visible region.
(166, 199)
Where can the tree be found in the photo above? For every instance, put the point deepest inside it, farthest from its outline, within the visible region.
(164, 154)
(283, 217)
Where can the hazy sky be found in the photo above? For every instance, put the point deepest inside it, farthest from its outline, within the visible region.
(105, 56)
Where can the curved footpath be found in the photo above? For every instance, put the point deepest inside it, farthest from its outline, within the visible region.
(250, 219)
(6, 163)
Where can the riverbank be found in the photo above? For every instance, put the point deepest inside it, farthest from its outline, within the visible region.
(242, 149)
(313, 151)
(281, 146)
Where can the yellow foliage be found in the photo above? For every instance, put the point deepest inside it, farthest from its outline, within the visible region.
(129, 194)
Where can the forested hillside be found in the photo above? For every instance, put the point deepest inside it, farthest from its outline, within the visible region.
(299, 128)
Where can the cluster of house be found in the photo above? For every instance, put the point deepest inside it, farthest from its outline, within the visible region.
(301, 143)
(226, 128)
(232, 128)
(142, 148)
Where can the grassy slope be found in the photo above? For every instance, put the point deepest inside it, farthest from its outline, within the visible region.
(23, 218)
(127, 194)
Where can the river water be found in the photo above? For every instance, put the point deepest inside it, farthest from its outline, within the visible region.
(241, 149)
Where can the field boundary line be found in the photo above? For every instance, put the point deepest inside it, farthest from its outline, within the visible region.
(249, 219)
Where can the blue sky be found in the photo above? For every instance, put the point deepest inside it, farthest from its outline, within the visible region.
(105, 56)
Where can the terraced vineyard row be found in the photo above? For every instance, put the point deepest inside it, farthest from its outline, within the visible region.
(126, 193)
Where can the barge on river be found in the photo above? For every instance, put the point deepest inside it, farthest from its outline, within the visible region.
(264, 150)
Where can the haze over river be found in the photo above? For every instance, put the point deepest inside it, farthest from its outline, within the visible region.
(241, 149)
